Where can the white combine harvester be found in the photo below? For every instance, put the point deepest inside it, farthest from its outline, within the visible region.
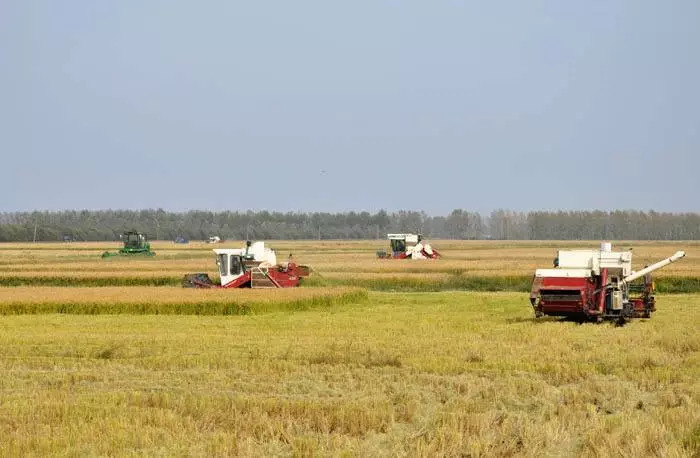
(408, 246)
(596, 285)
(254, 266)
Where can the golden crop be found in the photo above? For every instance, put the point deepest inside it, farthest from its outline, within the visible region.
(440, 374)
(468, 257)
(330, 369)
(166, 300)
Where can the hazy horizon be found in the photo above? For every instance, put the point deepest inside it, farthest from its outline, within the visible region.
(316, 106)
(484, 214)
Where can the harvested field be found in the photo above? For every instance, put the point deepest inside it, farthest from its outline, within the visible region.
(421, 374)
(478, 265)
(330, 369)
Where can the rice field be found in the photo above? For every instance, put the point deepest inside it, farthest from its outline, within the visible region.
(168, 300)
(480, 265)
(369, 358)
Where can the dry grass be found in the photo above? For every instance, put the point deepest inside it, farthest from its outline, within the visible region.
(113, 265)
(323, 371)
(496, 258)
(442, 374)
(329, 258)
(167, 300)
(48, 274)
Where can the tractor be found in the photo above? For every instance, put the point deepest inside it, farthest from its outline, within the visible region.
(135, 244)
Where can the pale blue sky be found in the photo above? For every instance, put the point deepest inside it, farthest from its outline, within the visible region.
(357, 105)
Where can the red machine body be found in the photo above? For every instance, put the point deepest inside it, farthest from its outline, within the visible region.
(587, 297)
(596, 285)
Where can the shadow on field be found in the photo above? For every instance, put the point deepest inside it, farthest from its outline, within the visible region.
(532, 319)
(550, 319)
(572, 319)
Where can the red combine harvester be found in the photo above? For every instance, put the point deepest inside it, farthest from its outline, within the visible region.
(408, 246)
(254, 266)
(596, 285)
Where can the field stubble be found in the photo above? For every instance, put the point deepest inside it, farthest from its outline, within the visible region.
(323, 370)
(475, 265)
(413, 374)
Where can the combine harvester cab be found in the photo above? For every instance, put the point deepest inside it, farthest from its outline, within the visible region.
(596, 285)
(408, 246)
(254, 266)
(135, 244)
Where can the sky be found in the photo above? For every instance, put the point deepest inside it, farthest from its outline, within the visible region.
(339, 106)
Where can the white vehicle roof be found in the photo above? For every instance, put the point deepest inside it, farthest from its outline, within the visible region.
(411, 238)
(257, 250)
(619, 261)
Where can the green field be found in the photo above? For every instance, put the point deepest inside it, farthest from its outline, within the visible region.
(450, 373)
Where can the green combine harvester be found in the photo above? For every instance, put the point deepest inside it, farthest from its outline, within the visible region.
(135, 244)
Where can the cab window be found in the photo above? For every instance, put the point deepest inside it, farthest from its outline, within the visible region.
(222, 261)
(235, 265)
(398, 246)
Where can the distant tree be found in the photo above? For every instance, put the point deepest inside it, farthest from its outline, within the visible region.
(462, 224)
(459, 224)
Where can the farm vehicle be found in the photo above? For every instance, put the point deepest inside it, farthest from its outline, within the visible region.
(596, 285)
(254, 266)
(134, 244)
(408, 246)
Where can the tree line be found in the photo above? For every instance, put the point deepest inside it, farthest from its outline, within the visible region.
(89, 225)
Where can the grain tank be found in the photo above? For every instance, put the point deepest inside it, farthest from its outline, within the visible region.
(596, 285)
